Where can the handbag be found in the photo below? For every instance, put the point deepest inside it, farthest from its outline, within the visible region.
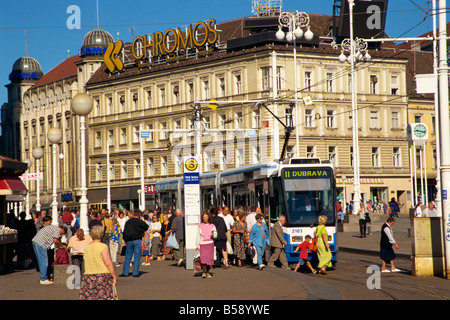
(172, 242)
(115, 295)
(197, 263)
(313, 244)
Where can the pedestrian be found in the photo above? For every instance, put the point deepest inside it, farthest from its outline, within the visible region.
(418, 210)
(259, 237)
(166, 228)
(107, 224)
(37, 220)
(42, 242)
(239, 229)
(26, 230)
(277, 244)
(132, 235)
(155, 230)
(206, 233)
(146, 244)
(77, 245)
(323, 248)
(220, 241)
(99, 275)
(394, 208)
(303, 256)
(340, 212)
(430, 211)
(67, 219)
(362, 214)
(178, 231)
(387, 240)
(114, 242)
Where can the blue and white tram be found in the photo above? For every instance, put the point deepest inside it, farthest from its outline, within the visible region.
(277, 188)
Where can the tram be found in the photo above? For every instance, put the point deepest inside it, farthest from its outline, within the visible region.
(301, 189)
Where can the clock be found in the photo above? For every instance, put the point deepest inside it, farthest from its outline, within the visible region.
(420, 131)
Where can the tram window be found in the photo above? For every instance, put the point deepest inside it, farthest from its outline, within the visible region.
(276, 207)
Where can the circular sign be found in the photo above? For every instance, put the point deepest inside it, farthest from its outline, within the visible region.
(191, 164)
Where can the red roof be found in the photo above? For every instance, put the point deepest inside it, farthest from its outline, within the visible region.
(64, 70)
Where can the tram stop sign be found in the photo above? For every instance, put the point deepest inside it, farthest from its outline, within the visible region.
(191, 176)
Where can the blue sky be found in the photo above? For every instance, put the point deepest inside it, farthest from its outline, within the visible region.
(48, 37)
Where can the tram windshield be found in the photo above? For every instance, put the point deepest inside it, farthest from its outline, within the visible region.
(308, 193)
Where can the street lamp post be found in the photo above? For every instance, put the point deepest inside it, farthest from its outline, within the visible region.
(54, 135)
(82, 106)
(294, 21)
(38, 153)
(356, 47)
(27, 200)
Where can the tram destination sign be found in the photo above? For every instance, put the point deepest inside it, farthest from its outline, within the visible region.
(307, 173)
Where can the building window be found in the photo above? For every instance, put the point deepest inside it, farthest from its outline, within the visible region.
(267, 80)
(349, 82)
(332, 155)
(122, 103)
(237, 84)
(137, 168)
(256, 154)
(162, 96)
(124, 169)
(164, 168)
(417, 119)
(150, 132)
(290, 152)
(238, 120)
(309, 118)
(98, 170)
(98, 139)
(206, 123)
(223, 159)
(205, 89)
(375, 156)
(351, 156)
(163, 134)
(395, 118)
(289, 117)
(331, 121)
(394, 85)
(222, 121)
(221, 88)
(396, 157)
(330, 81)
(135, 101)
(310, 152)
(374, 124)
(256, 117)
(111, 170)
(207, 156)
(176, 94)
(240, 157)
(136, 132)
(150, 167)
(109, 105)
(149, 98)
(123, 136)
(178, 164)
(111, 137)
(308, 80)
(373, 84)
(190, 91)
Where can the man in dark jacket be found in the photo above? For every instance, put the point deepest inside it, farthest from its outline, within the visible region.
(178, 231)
(221, 241)
(132, 235)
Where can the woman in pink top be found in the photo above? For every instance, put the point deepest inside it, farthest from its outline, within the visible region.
(206, 233)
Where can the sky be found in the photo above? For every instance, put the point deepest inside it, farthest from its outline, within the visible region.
(48, 37)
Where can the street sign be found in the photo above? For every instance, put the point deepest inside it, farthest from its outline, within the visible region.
(191, 175)
(145, 134)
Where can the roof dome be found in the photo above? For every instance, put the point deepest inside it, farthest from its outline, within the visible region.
(97, 37)
(27, 64)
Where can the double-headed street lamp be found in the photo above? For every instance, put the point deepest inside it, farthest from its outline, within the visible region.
(54, 136)
(38, 153)
(358, 53)
(82, 106)
(294, 22)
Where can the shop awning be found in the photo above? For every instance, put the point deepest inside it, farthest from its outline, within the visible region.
(12, 186)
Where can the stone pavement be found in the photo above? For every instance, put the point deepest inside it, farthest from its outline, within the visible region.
(165, 281)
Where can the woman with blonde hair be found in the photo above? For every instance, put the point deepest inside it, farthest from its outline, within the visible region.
(99, 275)
(323, 248)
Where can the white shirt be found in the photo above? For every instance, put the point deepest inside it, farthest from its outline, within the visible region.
(229, 220)
(122, 221)
(418, 212)
(251, 220)
(430, 213)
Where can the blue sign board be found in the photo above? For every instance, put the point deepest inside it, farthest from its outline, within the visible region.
(191, 178)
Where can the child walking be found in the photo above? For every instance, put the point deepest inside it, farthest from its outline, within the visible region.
(303, 257)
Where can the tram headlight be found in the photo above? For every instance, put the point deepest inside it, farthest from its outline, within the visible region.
(296, 239)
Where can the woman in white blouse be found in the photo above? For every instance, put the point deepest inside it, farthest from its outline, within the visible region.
(155, 229)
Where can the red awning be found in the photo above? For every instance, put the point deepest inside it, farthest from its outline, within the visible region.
(12, 186)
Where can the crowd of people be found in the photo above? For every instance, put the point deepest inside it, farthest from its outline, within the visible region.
(224, 239)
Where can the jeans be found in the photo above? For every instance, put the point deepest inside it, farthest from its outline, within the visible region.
(42, 260)
(133, 248)
(362, 227)
(260, 253)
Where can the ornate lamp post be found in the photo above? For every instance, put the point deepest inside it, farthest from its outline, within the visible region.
(54, 135)
(38, 153)
(294, 22)
(27, 200)
(82, 106)
(356, 48)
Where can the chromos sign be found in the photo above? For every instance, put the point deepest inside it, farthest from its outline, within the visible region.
(174, 44)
